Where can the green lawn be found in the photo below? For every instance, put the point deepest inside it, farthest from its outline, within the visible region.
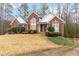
(61, 41)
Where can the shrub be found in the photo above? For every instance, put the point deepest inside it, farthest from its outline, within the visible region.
(21, 29)
(52, 34)
(62, 41)
(69, 31)
(9, 30)
(50, 29)
(12, 30)
(32, 31)
(15, 30)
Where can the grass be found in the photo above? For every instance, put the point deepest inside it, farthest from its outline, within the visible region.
(16, 44)
(62, 41)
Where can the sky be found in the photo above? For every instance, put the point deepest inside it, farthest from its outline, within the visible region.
(30, 5)
(37, 5)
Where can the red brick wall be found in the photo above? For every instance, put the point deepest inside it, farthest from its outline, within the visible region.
(33, 15)
(26, 27)
(61, 25)
(15, 23)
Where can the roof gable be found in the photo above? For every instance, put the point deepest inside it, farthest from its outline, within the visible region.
(32, 15)
(19, 19)
(60, 19)
(14, 21)
(49, 17)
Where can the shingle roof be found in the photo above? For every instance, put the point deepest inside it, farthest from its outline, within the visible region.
(20, 20)
(48, 18)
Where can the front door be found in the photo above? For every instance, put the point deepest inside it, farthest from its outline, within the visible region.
(43, 27)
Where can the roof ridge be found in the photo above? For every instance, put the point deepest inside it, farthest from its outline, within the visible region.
(33, 12)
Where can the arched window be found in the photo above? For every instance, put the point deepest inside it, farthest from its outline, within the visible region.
(33, 24)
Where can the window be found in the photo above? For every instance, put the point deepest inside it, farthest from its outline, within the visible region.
(33, 21)
(33, 24)
(33, 27)
(56, 27)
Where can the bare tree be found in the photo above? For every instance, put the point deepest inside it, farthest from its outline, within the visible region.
(5, 11)
(66, 14)
(59, 9)
(43, 8)
(76, 17)
(8, 11)
(1, 18)
(23, 10)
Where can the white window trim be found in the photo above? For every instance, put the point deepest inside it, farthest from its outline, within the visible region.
(33, 24)
(56, 27)
(33, 21)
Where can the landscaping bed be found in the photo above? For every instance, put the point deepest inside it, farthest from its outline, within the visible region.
(21, 30)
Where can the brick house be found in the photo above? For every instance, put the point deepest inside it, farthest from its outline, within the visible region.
(35, 22)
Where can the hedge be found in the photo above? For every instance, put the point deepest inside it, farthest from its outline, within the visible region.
(52, 34)
(16, 30)
(32, 31)
(21, 29)
(12, 30)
